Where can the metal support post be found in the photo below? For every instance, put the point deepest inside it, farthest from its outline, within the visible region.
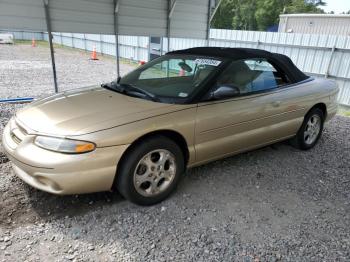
(116, 33)
(52, 52)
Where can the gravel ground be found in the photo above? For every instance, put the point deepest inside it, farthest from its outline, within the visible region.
(273, 204)
(26, 71)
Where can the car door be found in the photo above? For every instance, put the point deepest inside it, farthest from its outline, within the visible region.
(259, 115)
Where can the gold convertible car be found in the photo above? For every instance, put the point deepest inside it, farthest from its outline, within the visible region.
(139, 133)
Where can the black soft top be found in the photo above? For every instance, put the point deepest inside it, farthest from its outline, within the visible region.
(280, 61)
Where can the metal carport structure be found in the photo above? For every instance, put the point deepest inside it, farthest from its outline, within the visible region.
(169, 18)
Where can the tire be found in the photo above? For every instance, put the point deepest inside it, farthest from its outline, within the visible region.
(308, 136)
(150, 171)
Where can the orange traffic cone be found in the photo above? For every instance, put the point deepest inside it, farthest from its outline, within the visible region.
(142, 62)
(33, 42)
(93, 54)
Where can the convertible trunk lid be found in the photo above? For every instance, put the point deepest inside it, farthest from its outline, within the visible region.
(87, 110)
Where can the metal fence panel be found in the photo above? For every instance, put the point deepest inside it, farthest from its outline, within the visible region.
(27, 35)
(318, 55)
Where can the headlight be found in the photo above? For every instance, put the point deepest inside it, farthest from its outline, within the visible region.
(63, 145)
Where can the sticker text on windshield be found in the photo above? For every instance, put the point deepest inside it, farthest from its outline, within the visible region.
(204, 61)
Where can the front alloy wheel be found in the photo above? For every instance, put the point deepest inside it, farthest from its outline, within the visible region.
(150, 170)
(155, 172)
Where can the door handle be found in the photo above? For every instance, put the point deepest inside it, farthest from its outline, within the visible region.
(276, 103)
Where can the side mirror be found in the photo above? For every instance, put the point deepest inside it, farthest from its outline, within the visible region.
(225, 91)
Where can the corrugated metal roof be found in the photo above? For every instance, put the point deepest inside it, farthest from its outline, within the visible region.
(190, 17)
(316, 15)
(315, 24)
(135, 17)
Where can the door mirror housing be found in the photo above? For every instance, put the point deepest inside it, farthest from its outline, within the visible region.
(225, 91)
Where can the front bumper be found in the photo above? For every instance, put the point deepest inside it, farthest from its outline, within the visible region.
(59, 173)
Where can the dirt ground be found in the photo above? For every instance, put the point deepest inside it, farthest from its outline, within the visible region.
(272, 204)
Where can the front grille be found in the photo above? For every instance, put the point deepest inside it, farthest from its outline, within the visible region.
(18, 133)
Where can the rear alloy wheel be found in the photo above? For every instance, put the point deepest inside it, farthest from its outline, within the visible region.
(150, 171)
(310, 131)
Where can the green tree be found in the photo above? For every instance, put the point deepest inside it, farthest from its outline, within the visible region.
(300, 6)
(260, 14)
(224, 15)
(236, 14)
(267, 13)
(315, 2)
(244, 15)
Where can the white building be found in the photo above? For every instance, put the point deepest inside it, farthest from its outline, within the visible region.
(328, 24)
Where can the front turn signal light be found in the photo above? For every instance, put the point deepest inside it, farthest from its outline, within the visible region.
(63, 145)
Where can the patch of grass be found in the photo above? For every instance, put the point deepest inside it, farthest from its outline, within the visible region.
(344, 112)
(347, 113)
(29, 42)
(43, 43)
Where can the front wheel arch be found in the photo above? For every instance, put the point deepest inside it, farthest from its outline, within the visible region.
(321, 106)
(170, 134)
(124, 180)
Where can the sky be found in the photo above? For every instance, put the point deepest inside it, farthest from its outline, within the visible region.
(337, 6)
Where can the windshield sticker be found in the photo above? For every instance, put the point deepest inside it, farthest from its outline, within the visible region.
(183, 94)
(204, 61)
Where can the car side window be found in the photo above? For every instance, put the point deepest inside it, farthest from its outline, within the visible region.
(252, 75)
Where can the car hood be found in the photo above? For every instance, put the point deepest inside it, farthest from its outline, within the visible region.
(88, 110)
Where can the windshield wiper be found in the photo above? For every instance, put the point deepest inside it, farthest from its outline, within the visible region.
(130, 87)
(114, 86)
(125, 88)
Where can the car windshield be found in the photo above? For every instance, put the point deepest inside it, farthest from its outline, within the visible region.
(172, 77)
